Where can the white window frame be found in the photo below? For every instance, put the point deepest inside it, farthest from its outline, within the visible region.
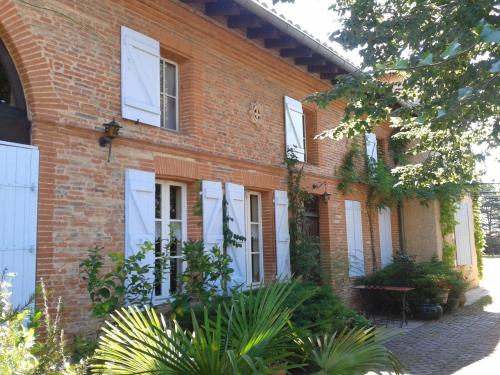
(165, 95)
(165, 228)
(248, 242)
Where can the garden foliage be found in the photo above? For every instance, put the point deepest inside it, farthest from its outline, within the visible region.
(429, 279)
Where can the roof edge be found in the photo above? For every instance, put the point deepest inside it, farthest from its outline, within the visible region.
(296, 33)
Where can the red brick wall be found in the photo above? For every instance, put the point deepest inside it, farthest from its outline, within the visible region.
(68, 57)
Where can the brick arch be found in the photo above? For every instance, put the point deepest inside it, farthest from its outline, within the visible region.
(34, 70)
(25, 50)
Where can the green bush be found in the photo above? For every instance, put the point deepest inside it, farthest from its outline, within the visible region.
(316, 310)
(428, 278)
(320, 311)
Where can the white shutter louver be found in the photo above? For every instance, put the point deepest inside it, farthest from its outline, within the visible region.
(18, 218)
(140, 75)
(464, 235)
(283, 269)
(371, 147)
(235, 196)
(385, 232)
(212, 214)
(294, 127)
(139, 213)
(354, 231)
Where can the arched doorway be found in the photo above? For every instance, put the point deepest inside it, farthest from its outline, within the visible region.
(18, 185)
(14, 124)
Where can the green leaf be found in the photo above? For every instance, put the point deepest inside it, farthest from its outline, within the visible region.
(104, 292)
(419, 120)
(441, 113)
(490, 35)
(495, 67)
(452, 49)
(426, 59)
(402, 64)
(464, 92)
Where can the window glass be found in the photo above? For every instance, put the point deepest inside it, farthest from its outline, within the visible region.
(175, 202)
(254, 208)
(171, 108)
(6, 96)
(171, 77)
(158, 201)
(168, 95)
(170, 227)
(254, 228)
(254, 245)
(256, 268)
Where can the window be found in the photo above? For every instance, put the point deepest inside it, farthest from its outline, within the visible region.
(381, 149)
(311, 131)
(294, 127)
(170, 223)
(254, 245)
(14, 124)
(169, 95)
(311, 219)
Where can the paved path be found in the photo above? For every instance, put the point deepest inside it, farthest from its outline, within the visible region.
(463, 343)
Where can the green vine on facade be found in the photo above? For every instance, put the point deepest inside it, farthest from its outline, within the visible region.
(479, 238)
(449, 197)
(383, 191)
(376, 176)
(304, 249)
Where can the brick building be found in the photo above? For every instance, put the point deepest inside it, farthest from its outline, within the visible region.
(205, 91)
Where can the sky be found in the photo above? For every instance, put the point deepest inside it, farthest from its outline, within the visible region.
(315, 17)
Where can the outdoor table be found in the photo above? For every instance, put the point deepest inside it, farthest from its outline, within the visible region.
(403, 291)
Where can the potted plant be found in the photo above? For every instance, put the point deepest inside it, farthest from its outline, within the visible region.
(443, 291)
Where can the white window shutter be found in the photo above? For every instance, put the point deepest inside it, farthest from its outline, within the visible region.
(140, 67)
(283, 269)
(354, 231)
(18, 218)
(139, 213)
(212, 214)
(294, 127)
(464, 235)
(385, 232)
(371, 147)
(235, 197)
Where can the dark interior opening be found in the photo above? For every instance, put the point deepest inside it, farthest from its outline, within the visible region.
(311, 223)
(14, 124)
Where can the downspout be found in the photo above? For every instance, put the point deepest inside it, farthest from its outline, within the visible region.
(286, 27)
(401, 222)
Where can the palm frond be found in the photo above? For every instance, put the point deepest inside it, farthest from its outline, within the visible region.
(354, 351)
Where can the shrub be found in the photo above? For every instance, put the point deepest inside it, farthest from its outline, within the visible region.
(22, 349)
(319, 311)
(128, 278)
(428, 278)
(16, 340)
(250, 335)
(316, 309)
(49, 348)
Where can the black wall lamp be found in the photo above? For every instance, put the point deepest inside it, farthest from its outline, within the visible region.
(111, 131)
(326, 195)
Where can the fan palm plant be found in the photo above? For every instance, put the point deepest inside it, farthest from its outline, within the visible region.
(248, 336)
(351, 352)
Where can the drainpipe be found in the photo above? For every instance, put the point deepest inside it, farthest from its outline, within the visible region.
(401, 220)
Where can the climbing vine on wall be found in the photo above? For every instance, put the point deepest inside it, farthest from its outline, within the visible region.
(479, 239)
(449, 197)
(304, 249)
(230, 238)
(356, 167)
